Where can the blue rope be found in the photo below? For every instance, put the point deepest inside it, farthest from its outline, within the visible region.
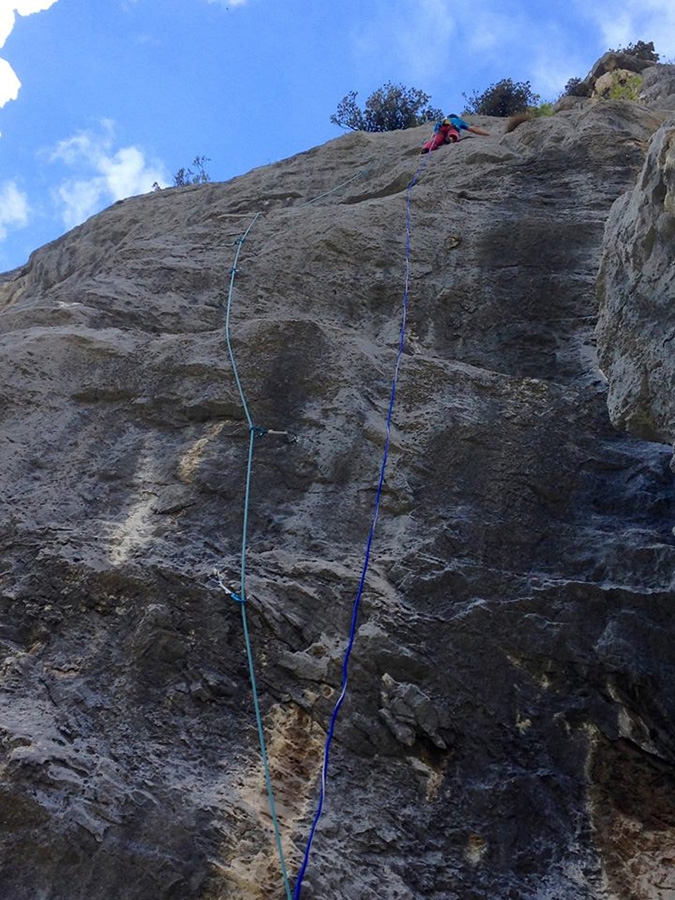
(369, 542)
(240, 598)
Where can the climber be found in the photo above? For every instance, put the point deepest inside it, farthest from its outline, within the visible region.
(448, 132)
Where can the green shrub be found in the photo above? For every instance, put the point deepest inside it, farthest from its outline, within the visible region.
(544, 109)
(505, 98)
(532, 112)
(626, 90)
(390, 108)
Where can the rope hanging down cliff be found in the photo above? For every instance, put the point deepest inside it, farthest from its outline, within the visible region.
(253, 432)
(371, 535)
(257, 432)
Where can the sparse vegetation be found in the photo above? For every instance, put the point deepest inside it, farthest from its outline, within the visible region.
(543, 110)
(188, 176)
(518, 119)
(533, 112)
(185, 176)
(625, 89)
(641, 50)
(390, 108)
(394, 106)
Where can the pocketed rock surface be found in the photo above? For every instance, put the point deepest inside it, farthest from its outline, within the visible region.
(510, 720)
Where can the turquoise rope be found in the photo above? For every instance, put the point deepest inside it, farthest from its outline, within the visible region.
(338, 186)
(240, 598)
(228, 337)
(253, 432)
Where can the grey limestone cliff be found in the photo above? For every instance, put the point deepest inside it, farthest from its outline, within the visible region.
(510, 721)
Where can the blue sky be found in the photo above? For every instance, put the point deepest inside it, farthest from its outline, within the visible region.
(101, 98)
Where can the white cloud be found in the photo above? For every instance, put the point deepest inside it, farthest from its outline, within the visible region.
(622, 22)
(27, 7)
(228, 3)
(9, 83)
(105, 174)
(13, 207)
(6, 23)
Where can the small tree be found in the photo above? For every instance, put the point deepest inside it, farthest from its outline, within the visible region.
(186, 176)
(505, 98)
(390, 108)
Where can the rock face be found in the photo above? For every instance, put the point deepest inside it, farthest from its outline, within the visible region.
(509, 725)
(658, 87)
(637, 289)
(620, 75)
(616, 70)
(615, 61)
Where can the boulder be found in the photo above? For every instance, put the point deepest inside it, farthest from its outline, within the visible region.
(613, 61)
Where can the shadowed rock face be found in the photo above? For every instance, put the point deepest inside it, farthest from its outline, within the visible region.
(509, 729)
(637, 291)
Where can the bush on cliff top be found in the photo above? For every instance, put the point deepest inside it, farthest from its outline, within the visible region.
(389, 108)
(505, 98)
